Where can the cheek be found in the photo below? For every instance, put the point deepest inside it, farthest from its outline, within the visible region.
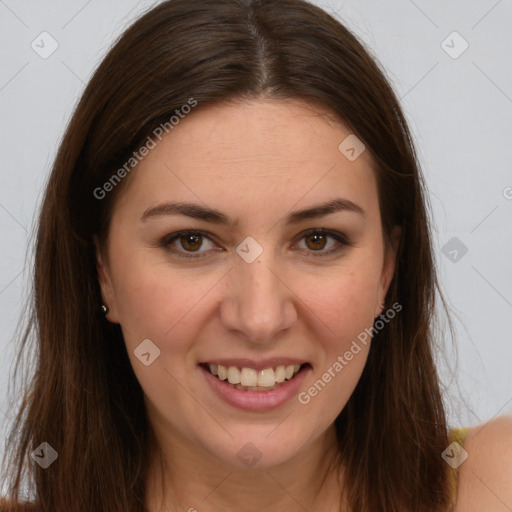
(343, 299)
(344, 302)
(163, 305)
(347, 309)
(158, 302)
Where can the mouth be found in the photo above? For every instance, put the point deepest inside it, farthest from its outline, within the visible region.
(245, 378)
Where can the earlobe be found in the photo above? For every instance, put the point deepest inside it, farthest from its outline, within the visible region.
(108, 306)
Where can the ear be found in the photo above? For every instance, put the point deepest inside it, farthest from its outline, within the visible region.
(388, 268)
(105, 281)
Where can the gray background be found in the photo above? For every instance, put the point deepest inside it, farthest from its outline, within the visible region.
(459, 109)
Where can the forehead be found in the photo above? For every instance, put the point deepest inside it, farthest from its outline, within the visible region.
(254, 151)
(260, 130)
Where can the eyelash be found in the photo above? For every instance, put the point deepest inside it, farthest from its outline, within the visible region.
(339, 237)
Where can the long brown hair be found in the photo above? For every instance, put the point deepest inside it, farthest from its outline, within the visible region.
(84, 399)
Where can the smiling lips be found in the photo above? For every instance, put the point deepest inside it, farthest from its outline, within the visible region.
(249, 379)
(256, 385)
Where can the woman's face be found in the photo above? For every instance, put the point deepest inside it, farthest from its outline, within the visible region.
(251, 289)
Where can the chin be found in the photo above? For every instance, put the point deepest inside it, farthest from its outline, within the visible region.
(256, 449)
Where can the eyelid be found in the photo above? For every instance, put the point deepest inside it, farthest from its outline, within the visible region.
(167, 240)
(340, 237)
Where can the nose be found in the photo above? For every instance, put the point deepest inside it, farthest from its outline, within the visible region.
(258, 303)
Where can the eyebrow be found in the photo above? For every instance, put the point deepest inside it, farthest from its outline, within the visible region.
(207, 214)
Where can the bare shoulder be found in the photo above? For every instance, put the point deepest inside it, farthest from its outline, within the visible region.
(485, 477)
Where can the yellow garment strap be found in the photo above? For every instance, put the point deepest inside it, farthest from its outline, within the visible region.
(456, 435)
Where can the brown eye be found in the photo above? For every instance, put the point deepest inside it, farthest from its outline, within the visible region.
(322, 242)
(318, 241)
(191, 242)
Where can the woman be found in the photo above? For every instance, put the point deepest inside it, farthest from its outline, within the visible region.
(234, 285)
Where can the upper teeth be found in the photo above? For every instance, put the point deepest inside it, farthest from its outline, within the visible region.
(267, 377)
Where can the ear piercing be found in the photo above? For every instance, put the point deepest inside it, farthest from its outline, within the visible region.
(104, 309)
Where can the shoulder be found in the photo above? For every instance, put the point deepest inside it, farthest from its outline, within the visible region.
(485, 477)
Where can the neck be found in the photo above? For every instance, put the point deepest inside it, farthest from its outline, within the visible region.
(192, 480)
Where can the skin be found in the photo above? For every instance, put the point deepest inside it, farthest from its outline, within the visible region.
(256, 161)
(485, 477)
